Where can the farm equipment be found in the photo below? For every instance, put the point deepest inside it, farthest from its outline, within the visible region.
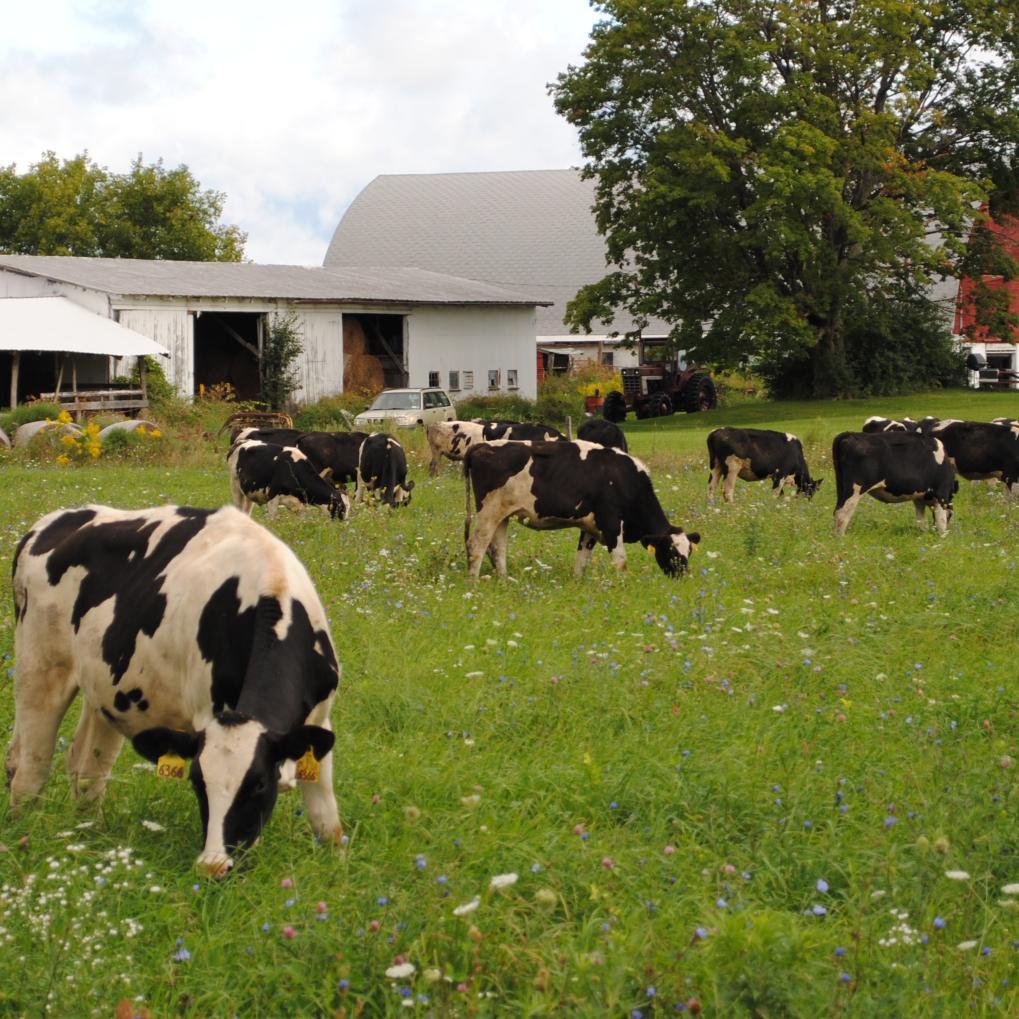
(663, 383)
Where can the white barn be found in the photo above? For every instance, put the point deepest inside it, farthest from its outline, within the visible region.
(422, 327)
(532, 230)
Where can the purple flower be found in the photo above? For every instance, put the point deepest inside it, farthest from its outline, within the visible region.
(822, 885)
(701, 932)
(181, 955)
(845, 978)
(651, 991)
(818, 910)
(939, 923)
(839, 952)
(382, 901)
(420, 862)
(889, 821)
(343, 985)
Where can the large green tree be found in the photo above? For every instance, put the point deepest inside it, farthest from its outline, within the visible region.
(75, 207)
(768, 170)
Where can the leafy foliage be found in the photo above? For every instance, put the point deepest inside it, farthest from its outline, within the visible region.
(782, 171)
(76, 207)
(280, 350)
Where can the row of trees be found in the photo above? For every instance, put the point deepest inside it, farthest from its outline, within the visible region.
(786, 176)
(76, 207)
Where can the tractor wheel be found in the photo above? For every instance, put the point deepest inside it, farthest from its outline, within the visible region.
(614, 407)
(659, 405)
(699, 394)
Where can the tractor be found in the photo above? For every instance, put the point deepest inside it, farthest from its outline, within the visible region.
(663, 383)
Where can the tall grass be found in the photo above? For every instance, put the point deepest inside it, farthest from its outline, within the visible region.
(740, 793)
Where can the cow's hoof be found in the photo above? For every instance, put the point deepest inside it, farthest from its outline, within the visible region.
(214, 865)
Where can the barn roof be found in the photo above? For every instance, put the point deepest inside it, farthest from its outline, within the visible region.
(135, 277)
(59, 325)
(531, 230)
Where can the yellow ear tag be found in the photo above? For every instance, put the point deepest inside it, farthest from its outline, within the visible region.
(650, 549)
(307, 767)
(170, 766)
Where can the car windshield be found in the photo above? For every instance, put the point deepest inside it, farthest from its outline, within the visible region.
(397, 401)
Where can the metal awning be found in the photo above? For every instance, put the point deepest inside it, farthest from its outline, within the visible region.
(59, 325)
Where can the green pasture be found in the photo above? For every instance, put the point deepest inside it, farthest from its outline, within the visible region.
(784, 785)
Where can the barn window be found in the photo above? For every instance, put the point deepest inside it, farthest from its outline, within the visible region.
(468, 380)
(511, 378)
(493, 378)
(433, 380)
(454, 381)
(607, 358)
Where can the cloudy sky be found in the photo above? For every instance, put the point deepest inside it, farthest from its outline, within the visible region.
(290, 108)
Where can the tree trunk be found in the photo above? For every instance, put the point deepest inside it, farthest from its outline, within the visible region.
(831, 372)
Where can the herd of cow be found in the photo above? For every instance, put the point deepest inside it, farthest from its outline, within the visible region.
(199, 635)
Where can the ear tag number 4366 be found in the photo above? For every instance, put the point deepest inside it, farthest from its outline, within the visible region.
(307, 767)
(170, 766)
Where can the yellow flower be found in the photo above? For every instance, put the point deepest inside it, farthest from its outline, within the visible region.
(94, 450)
(64, 417)
(92, 429)
(63, 460)
(155, 433)
(69, 440)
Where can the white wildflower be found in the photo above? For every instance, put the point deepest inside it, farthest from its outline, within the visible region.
(503, 880)
(966, 945)
(1012, 889)
(467, 907)
(152, 825)
(957, 875)
(401, 971)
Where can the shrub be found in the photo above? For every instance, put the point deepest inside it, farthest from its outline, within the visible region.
(509, 406)
(37, 411)
(280, 349)
(327, 414)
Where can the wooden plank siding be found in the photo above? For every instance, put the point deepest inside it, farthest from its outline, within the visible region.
(321, 367)
(174, 328)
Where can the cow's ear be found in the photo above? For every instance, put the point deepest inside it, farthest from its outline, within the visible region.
(154, 743)
(291, 746)
(652, 541)
(408, 486)
(693, 537)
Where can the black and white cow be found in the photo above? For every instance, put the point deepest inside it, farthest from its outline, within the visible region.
(982, 451)
(880, 424)
(605, 433)
(893, 467)
(550, 485)
(265, 474)
(336, 452)
(278, 436)
(754, 454)
(1007, 422)
(192, 632)
(382, 471)
(520, 431)
(452, 439)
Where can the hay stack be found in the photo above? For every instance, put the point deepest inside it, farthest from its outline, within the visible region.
(362, 372)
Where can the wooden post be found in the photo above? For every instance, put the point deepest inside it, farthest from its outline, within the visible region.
(74, 388)
(569, 427)
(60, 374)
(141, 374)
(15, 366)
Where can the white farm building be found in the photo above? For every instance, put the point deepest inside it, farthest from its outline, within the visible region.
(412, 326)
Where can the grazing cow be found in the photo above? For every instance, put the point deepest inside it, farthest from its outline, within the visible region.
(520, 431)
(605, 433)
(754, 454)
(551, 485)
(893, 467)
(336, 452)
(278, 436)
(195, 633)
(982, 451)
(880, 424)
(265, 473)
(451, 439)
(382, 469)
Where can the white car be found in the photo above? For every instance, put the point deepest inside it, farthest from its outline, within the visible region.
(406, 408)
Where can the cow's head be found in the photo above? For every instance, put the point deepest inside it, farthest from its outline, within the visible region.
(672, 550)
(400, 494)
(339, 505)
(808, 486)
(235, 768)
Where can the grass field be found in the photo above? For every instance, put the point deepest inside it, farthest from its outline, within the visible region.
(785, 785)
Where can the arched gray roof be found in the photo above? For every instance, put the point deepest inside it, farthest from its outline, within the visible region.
(531, 230)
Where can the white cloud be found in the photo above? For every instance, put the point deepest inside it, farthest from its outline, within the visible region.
(291, 109)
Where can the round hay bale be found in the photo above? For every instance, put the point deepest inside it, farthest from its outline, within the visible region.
(4, 440)
(30, 429)
(126, 426)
